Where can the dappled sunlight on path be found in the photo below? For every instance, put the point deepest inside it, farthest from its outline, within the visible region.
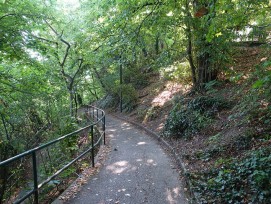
(137, 171)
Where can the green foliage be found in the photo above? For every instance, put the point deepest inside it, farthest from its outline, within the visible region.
(255, 105)
(130, 97)
(185, 120)
(50, 53)
(210, 87)
(208, 105)
(151, 113)
(69, 145)
(263, 73)
(137, 78)
(246, 180)
(179, 72)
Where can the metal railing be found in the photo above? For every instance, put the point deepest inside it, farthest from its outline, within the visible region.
(96, 118)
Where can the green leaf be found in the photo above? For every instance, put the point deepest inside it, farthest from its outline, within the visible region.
(258, 84)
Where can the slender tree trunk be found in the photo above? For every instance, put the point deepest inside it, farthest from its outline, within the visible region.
(189, 46)
(190, 58)
(4, 174)
(5, 127)
(100, 79)
(76, 104)
(3, 177)
(205, 72)
(71, 103)
(157, 45)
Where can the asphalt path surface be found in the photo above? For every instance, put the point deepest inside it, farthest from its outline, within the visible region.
(137, 170)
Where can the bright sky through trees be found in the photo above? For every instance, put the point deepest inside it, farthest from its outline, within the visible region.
(68, 5)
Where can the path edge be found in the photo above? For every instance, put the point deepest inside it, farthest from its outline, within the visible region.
(176, 156)
(100, 152)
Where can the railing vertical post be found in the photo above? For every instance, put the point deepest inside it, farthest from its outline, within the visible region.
(103, 126)
(35, 177)
(92, 146)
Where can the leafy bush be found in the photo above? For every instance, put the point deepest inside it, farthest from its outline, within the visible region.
(245, 181)
(136, 76)
(185, 120)
(208, 105)
(129, 97)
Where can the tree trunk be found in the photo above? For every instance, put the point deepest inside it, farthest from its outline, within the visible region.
(5, 152)
(3, 178)
(206, 72)
(157, 45)
(5, 127)
(190, 57)
(189, 46)
(71, 102)
(100, 79)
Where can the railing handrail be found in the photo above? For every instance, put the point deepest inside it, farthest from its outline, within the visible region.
(34, 150)
(28, 152)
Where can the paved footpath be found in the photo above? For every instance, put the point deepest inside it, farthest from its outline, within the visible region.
(136, 171)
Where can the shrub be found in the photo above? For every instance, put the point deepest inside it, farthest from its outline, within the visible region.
(129, 97)
(208, 105)
(185, 120)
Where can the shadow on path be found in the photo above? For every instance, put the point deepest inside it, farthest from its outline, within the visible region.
(136, 171)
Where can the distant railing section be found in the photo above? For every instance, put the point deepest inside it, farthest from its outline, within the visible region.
(45, 161)
(254, 33)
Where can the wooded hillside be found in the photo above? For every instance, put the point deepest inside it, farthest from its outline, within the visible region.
(212, 57)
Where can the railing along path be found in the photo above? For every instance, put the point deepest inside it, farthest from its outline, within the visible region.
(94, 116)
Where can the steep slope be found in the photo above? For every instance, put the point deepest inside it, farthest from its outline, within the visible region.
(213, 130)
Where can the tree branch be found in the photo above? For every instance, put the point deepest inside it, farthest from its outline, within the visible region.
(66, 52)
(7, 15)
(79, 69)
(147, 4)
(145, 18)
(68, 46)
(44, 39)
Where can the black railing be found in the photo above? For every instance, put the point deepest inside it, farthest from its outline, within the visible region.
(96, 118)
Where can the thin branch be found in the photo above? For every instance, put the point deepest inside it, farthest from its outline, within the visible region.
(147, 4)
(142, 22)
(5, 127)
(51, 27)
(66, 52)
(67, 77)
(97, 48)
(79, 69)
(7, 15)
(138, 29)
(44, 39)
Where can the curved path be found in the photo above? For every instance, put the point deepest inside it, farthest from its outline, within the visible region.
(136, 171)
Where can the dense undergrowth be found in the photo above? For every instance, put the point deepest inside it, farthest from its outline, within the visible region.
(187, 119)
(246, 180)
